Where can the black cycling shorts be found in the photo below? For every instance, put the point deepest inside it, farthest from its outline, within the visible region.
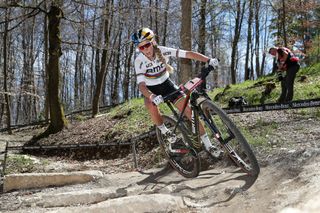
(166, 88)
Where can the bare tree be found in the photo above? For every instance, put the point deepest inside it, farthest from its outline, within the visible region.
(79, 62)
(257, 5)
(57, 118)
(126, 80)
(249, 41)
(5, 72)
(115, 90)
(46, 59)
(237, 30)
(185, 36)
(103, 67)
(202, 32)
(165, 23)
(283, 23)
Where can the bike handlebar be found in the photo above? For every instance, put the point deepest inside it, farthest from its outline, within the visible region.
(202, 75)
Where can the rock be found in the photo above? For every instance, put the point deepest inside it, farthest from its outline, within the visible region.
(39, 180)
(311, 206)
(137, 203)
(75, 197)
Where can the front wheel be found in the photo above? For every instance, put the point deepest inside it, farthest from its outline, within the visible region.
(227, 134)
(187, 163)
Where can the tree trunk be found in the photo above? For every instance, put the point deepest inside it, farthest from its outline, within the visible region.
(257, 4)
(185, 36)
(251, 75)
(5, 73)
(57, 117)
(237, 30)
(249, 41)
(46, 74)
(156, 17)
(115, 92)
(202, 34)
(150, 14)
(265, 44)
(165, 24)
(126, 80)
(58, 120)
(102, 71)
(76, 78)
(283, 21)
(93, 55)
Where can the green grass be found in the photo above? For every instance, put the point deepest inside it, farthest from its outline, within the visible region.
(311, 112)
(254, 140)
(132, 119)
(20, 164)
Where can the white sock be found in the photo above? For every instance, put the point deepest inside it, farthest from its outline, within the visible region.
(206, 141)
(163, 128)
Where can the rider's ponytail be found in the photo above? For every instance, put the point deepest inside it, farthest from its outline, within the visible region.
(162, 59)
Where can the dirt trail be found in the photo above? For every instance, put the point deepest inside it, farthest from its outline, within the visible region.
(289, 180)
(215, 190)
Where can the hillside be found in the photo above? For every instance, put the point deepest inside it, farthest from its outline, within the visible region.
(131, 119)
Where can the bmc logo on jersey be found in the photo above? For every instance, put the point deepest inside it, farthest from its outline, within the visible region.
(155, 69)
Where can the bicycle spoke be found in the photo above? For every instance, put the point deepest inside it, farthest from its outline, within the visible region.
(221, 127)
(184, 160)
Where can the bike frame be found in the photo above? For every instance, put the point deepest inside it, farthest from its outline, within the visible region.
(196, 96)
(196, 111)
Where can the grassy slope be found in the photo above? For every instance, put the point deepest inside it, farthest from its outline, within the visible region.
(302, 90)
(134, 118)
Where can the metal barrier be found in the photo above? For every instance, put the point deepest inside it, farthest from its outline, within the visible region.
(133, 142)
(275, 106)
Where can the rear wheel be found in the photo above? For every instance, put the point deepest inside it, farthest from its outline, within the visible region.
(187, 163)
(225, 133)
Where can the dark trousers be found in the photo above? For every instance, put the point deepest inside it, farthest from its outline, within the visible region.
(287, 84)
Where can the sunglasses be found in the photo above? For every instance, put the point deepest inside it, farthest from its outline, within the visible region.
(147, 45)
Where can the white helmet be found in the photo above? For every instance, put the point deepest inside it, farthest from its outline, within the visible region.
(142, 35)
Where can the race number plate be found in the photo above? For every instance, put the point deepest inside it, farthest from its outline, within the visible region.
(190, 85)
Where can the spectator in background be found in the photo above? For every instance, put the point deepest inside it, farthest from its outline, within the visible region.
(287, 68)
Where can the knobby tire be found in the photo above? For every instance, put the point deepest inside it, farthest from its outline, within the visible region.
(176, 162)
(233, 142)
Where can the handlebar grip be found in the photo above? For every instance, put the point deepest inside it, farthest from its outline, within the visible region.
(205, 71)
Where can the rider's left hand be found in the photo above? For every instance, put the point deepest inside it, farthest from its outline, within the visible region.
(213, 62)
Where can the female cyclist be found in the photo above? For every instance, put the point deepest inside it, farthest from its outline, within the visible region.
(152, 71)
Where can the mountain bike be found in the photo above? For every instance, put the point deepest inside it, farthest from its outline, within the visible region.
(221, 130)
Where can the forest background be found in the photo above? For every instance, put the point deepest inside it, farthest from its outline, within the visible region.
(66, 55)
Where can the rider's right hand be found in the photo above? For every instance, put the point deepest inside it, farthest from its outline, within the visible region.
(156, 100)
